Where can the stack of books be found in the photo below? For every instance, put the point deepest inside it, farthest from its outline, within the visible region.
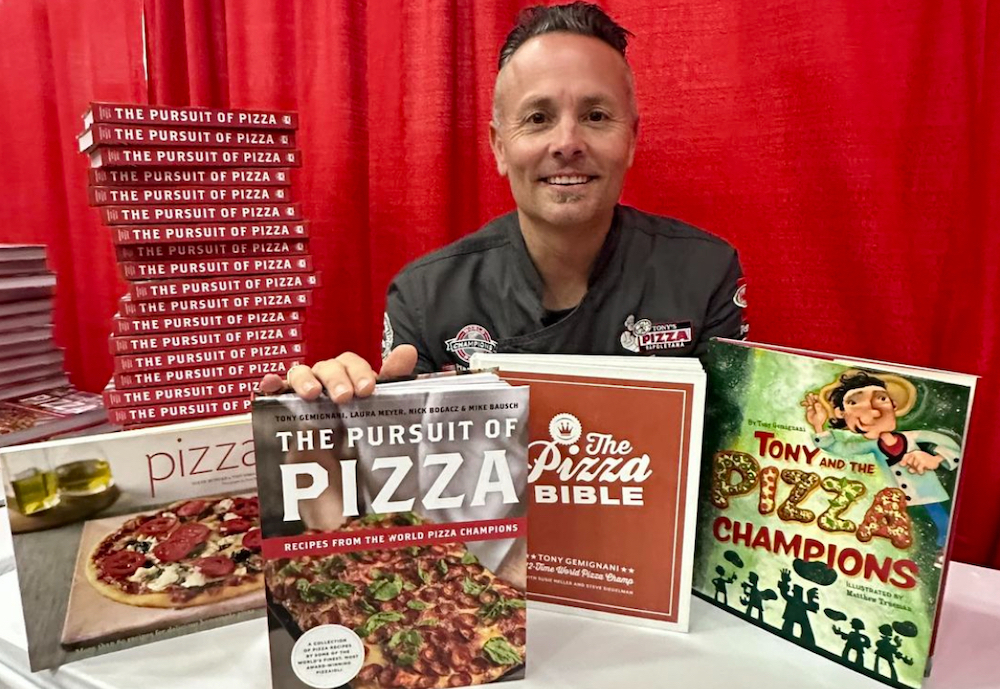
(214, 250)
(36, 398)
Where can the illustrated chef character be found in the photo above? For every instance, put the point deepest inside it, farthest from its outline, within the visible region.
(870, 405)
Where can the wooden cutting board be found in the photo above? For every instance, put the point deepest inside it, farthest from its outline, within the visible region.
(92, 619)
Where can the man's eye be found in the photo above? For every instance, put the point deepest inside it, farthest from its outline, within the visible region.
(597, 116)
(536, 118)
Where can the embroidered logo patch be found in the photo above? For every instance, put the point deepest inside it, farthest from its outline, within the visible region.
(644, 336)
(740, 298)
(388, 337)
(469, 340)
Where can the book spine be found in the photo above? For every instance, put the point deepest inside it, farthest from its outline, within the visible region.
(131, 113)
(175, 342)
(113, 134)
(217, 372)
(172, 234)
(178, 411)
(121, 156)
(169, 252)
(180, 393)
(254, 265)
(129, 215)
(131, 363)
(215, 304)
(240, 284)
(109, 196)
(204, 321)
(194, 176)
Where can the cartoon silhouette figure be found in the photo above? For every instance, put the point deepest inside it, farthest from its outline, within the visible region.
(870, 405)
(887, 649)
(857, 641)
(753, 596)
(797, 609)
(722, 585)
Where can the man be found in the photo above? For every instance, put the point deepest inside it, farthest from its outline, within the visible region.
(570, 271)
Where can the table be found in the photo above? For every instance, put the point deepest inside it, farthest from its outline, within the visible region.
(565, 651)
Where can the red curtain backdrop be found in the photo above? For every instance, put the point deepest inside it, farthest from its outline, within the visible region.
(851, 153)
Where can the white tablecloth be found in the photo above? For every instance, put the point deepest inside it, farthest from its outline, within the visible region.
(721, 652)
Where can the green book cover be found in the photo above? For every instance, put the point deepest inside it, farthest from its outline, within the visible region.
(827, 492)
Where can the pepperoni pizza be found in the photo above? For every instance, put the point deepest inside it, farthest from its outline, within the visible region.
(190, 553)
(429, 616)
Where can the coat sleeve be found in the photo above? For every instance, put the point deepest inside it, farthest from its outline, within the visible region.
(937, 444)
(725, 316)
(403, 323)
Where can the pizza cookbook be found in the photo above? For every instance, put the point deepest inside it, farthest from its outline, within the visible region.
(131, 537)
(394, 534)
(828, 488)
(614, 455)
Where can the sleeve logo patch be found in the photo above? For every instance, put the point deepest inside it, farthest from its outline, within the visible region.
(388, 336)
(740, 298)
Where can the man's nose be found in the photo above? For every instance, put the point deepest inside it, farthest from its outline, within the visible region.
(567, 139)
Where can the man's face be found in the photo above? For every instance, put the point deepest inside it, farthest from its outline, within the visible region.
(566, 131)
(868, 411)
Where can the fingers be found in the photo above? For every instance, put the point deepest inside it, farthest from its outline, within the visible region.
(302, 380)
(345, 377)
(400, 362)
(272, 384)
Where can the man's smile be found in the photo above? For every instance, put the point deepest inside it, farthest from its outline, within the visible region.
(568, 180)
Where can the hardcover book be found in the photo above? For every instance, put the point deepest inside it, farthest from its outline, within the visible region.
(613, 473)
(112, 196)
(135, 156)
(394, 534)
(178, 411)
(217, 372)
(165, 289)
(142, 177)
(159, 251)
(247, 265)
(132, 537)
(205, 321)
(134, 113)
(828, 488)
(221, 303)
(142, 135)
(133, 363)
(37, 416)
(127, 215)
(173, 234)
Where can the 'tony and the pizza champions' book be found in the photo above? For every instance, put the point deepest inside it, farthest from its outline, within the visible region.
(394, 534)
(828, 490)
(131, 537)
(613, 472)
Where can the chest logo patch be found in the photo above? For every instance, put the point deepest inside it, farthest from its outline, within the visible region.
(469, 340)
(644, 336)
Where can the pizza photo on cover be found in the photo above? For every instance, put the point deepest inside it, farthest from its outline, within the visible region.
(394, 535)
(130, 537)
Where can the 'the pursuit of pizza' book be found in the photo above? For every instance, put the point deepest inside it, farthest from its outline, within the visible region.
(126, 538)
(613, 458)
(394, 534)
(828, 490)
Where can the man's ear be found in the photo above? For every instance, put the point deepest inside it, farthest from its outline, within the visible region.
(496, 145)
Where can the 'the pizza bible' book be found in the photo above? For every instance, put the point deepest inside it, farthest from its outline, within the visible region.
(827, 496)
(126, 538)
(394, 534)
(615, 444)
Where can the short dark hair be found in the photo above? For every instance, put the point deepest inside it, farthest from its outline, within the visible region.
(581, 18)
(848, 382)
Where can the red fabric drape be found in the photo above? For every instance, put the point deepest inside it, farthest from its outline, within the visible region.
(850, 154)
(54, 56)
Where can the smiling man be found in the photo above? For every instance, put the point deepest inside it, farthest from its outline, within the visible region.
(571, 270)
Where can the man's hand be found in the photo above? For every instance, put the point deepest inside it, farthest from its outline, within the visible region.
(816, 414)
(919, 461)
(344, 377)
